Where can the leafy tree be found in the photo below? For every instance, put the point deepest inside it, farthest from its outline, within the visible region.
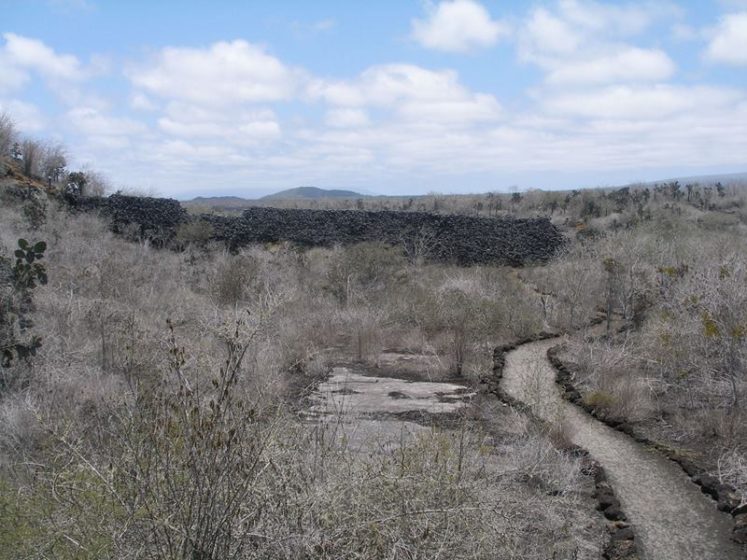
(27, 269)
(15, 302)
(76, 183)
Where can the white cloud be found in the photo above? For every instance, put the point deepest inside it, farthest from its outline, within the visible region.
(583, 42)
(233, 127)
(20, 56)
(26, 116)
(412, 92)
(475, 109)
(92, 122)
(729, 42)
(226, 72)
(11, 78)
(32, 54)
(347, 118)
(191, 154)
(627, 19)
(546, 34)
(457, 26)
(231, 113)
(647, 102)
(141, 102)
(625, 65)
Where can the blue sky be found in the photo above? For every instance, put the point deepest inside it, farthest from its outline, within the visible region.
(392, 97)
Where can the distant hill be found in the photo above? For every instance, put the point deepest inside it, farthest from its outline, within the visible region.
(300, 194)
(312, 192)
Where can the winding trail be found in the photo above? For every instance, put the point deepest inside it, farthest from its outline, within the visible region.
(672, 519)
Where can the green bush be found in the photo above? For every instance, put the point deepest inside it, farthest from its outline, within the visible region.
(15, 303)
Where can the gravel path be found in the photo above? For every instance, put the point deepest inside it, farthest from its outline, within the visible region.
(672, 519)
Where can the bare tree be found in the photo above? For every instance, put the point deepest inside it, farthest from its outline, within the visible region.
(31, 154)
(96, 183)
(53, 163)
(87, 182)
(196, 452)
(7, 134)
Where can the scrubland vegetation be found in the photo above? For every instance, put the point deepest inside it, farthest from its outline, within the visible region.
(150, 398)
(673, 361)
(158, 417)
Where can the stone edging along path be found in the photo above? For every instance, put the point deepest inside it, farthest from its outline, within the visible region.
(621, 543)
(725, 496)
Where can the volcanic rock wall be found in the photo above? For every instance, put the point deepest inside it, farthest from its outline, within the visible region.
(152, 218)
(463, 240)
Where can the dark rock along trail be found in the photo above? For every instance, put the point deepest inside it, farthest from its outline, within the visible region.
(672, 519)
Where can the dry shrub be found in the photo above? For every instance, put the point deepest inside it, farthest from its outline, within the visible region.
(724, 428)
(358, 272)
(614, 383)
(574, 282)
(195, 232)
(232, 279)
(94, 462)
(302, 331)
(538, 456)
(465, 312)
(732, 470)
(20, 428)
(364, 326)
(561, 434)
(599, 400)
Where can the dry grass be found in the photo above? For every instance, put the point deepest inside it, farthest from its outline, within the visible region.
(94, 450)
(612, 382)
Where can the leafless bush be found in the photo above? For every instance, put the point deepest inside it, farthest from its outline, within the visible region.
(8, 134)
(99, 454)
(613, 380)
(96, 183)
(232, 278)
(197, 232)
(573, 282)
(732, 470)
(31, 154)
(53, 163)
(364, 325)
(537, 456)
(420, 246)
(192, 456)
(358, 272)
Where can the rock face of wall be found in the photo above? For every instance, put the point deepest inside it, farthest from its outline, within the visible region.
(462, 240)
(151, 218)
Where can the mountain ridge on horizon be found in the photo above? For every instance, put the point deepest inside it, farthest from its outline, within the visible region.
(311, 192)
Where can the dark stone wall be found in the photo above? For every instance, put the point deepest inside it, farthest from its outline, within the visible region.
(462, 240)
(150, 218)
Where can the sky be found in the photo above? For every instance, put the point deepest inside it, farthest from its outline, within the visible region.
(388, 97)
